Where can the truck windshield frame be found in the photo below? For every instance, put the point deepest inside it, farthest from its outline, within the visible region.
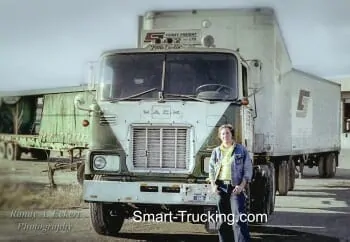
(203, 75)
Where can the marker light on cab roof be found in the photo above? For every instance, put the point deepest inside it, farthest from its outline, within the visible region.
(208, 41)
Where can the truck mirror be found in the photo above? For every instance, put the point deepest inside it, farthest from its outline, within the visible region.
(347, 127)
(255, 69)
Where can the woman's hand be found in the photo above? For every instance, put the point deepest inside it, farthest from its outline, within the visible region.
(214, 188)
(238, 189)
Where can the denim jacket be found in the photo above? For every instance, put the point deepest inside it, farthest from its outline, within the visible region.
(241, 167)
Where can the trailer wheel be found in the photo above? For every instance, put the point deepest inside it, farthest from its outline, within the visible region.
(2, 150)
(330, 165)
(102, 220)
(80, 173)
(322, 167)
(291, 165)
(283, 178)
(40, 154)
(13, 151)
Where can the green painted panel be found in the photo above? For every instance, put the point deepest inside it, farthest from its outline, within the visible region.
(62, 122)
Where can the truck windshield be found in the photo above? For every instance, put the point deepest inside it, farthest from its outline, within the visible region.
(208, 75)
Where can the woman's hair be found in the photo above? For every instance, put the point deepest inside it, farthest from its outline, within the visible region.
(226, 126)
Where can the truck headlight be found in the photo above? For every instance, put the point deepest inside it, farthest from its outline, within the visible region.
(106, 162)
(99, 162)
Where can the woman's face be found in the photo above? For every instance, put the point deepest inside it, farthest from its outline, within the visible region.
(225, 135)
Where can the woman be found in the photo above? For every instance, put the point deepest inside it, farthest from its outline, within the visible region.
(230, 170)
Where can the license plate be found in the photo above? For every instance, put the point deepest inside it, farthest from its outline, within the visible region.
(199, 197)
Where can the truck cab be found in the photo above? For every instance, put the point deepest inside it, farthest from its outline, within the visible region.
(155, 123)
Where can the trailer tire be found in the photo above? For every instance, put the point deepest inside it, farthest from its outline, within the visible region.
(330, 165)
(321, 167)
(291, 174)
(80, 173)
(40, 154)
(13, 151)
(2, 150)
(101, 219)
(283, 178)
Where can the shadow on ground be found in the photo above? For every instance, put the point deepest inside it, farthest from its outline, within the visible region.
(259, 233)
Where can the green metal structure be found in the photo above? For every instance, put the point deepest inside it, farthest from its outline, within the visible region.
(41, 121)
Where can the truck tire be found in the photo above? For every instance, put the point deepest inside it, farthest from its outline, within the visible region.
(283, 178)
(2, 150)
(272, 187)
(13, 151)
(321, 167)
(211, 228)
(80, 173)
(260, 195)
(268, 196)
(291, 174)
(330, 165)
(101, 219)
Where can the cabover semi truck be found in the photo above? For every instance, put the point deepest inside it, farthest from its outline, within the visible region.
(38, 122)
(163, 102)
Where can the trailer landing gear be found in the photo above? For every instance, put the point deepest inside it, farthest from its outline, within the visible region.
(80, 173)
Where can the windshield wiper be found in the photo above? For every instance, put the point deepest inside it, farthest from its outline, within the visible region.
(135, 95)
(186, 96)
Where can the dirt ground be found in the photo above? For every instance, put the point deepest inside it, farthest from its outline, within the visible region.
(318, 209)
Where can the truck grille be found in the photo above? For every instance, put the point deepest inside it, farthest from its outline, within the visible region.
(160, 147)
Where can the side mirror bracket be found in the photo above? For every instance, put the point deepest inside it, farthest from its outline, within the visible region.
(79, 103)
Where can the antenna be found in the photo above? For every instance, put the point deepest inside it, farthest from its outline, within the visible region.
(90, 75)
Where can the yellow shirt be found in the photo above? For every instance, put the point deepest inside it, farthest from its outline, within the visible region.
(225, 172)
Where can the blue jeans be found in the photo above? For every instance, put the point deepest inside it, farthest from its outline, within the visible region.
(239, 231)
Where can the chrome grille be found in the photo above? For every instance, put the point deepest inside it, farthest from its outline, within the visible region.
(160, 147)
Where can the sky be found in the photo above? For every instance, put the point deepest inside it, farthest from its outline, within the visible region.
(48, 43)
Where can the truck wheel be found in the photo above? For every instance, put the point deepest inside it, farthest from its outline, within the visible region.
(272, 187)
(322, 167)
(2, 150)
(283, 178)
(13, 151)
(330, 165)
(266, 199)
(102, 220)
(209, 226)
(291, 165)
(80, 173)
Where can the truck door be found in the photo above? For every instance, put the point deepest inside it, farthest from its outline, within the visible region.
(246, 112)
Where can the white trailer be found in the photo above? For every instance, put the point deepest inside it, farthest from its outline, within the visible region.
(297, 115)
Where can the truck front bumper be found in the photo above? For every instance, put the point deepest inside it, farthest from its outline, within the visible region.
(148, 193)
